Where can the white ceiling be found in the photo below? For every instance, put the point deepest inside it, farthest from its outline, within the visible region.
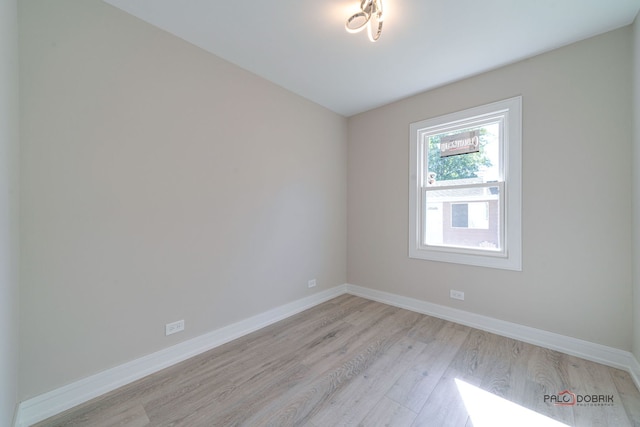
(302, 44)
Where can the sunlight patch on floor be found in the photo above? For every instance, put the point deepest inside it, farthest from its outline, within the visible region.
(488, 410)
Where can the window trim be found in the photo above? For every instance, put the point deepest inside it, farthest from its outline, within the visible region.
(511, 152)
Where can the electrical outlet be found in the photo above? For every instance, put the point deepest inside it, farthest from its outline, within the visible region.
(311, 283)
(172, 328)
(456, 294)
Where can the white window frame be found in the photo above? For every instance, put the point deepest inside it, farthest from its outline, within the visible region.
(510, 257)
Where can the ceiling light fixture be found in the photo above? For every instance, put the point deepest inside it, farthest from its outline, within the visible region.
(370, 16)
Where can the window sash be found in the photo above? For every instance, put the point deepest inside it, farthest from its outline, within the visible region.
(501, 251)
(496, 117)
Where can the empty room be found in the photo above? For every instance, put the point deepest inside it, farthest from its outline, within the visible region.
(296, 213)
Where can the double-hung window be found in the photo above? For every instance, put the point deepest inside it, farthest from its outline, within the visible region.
(465, 185)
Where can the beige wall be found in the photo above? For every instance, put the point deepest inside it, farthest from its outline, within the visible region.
(160, 183)
(576, 277)
(636, 190)
(8, 210)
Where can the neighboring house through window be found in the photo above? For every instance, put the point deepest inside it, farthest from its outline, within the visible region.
(465, 177)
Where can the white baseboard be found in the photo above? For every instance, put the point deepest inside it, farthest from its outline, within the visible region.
(573, 346)
(48, 404)
(56, 401)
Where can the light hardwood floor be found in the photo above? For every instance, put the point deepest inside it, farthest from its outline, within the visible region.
(351, 361)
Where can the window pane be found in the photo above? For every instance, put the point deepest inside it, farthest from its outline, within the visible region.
(463, 217)
(460, 215)
(449, 161)
(479, 215)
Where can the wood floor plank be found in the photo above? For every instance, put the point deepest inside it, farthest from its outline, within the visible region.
(444, 407)
(387, 413)
(262, 375)
(509, 377)
(357, 399)
(335, 349)
(629, 395)
(132, 415)
(477, 356)
(301, 403)
(508, 357)
(413, 388)
(252, 365)
(361, 314)
(478, 359)
(215, 391)
(547, 374)
(352, 361)
(426, 328)
(590, 380)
